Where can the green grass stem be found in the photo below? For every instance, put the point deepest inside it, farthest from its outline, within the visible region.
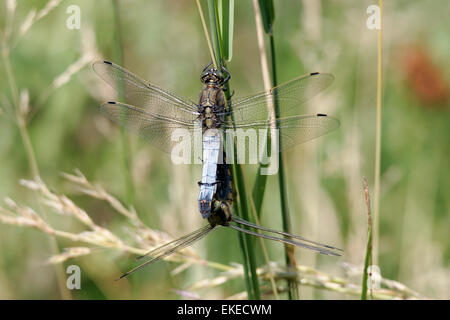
(268, 16)
(240, 206)
(369, 246)
(124, 137)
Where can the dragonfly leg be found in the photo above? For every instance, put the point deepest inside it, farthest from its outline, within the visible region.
(207, 66)
(226, 208)
(232, 93)
(228, 76)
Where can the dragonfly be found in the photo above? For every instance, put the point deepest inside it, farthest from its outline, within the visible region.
(156, 114)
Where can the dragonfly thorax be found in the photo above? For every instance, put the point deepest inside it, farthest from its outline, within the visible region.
(211, 102)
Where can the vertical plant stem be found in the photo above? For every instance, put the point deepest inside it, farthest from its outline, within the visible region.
(124, 137)
(250, 253)
(261, 179)
(266, 255)
(242, 244)
(237, 169)
(226, 19)
(265, 16)
(258, 190)
(19, 116)
(215, 33)
(33, 166)
(21, 122)
(378, 137)
(289, 250)
(240, 208)
(205, 29)
(368, 259)
(240, 187)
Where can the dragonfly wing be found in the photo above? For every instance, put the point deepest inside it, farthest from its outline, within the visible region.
(163, 133)
(282, 233)
(288, 96)
(145, 95)
(293, 130)
(286, 240)
(171, 247)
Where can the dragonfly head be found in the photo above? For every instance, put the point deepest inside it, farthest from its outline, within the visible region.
(212, 76)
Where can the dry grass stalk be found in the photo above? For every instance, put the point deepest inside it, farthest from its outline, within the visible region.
(34, 16)
(145, 239)
(69, 253)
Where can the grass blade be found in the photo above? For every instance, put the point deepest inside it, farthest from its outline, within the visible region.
(267, 14)
(260, 183)
(125, 140)
(215, 32)
(226, 23)
(378, 134)
(267, 11)
(238, 176)
(368, 259)
(239, 206)
(30, 155)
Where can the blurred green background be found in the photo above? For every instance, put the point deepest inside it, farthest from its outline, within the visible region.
(163, 42)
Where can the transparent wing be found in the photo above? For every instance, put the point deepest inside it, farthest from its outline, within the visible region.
(313, 245)
(171, 247)
(144, 95)
(294, 130)
(161, 132)
(285, 240)
(288, 96)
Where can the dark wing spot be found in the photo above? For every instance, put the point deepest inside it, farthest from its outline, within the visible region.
(321, 115)
(314, 73)
(107, 62)
(111, 102)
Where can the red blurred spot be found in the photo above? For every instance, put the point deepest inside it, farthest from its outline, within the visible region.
(423, 77)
